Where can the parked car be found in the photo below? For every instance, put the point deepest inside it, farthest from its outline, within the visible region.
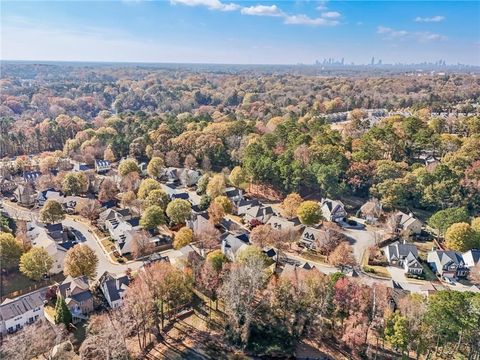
(448, 280)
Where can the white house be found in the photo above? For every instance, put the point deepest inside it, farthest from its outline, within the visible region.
(23, 310)
(102, 166)
(39, 237)
(312, 236)
(122, 230)
(113, 288)
(280, 223)
(333, 210)
(408, 223)
(233, 244)
(471, 257)
(404, 255)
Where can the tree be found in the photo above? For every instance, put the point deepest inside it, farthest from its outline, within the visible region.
(146, 186)
(291, 204)
(156, 197)
(105, 338)
(225, 203)
(32, 342)
(238, 292)
(342, 256)
(461, 237)
(109, 155)
(10, 251)
(75, 183)
(89, 208)
(208, 237)
(252, 251)
(152, 217)
(155, 167)
(178, 211)
(217, 259)
(62, 312)
(261, 235)
(443, 219)
(237, 176)
(216, 186)
(216, 213)
(141, 244)
(202, 184)
(108, 190)
(396, 331)
(81, 260)
(190, 162)
(128, 198)
(309, 212)
(476, 224)
(35, 263)
(183, 237)
(329, 241)
(209, 280)
(47, 164)
(130, 182)
(128, 166)
(52, 212)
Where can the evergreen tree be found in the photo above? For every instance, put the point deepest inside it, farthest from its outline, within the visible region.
(62, 312)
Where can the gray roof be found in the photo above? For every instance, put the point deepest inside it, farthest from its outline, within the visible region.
(115, 286)
(401, 251)
(11, 308)
(257, 211)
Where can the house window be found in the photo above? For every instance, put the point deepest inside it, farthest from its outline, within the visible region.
(18, 327)
(10, 329)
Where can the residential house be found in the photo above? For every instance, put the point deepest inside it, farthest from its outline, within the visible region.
(234, 194)
(31, 176)
(113, 288)
(189, 177)
(143, 168)
(80, 166)
(233, 244)
(21, 311)
(39, 237)
(48, 194)
(405, 256)
(407, 223)
(471, 258)
(240, 207)
(102, 166)
(78, 297)
(175, 191)
(122, 230)
(112, 213)
(7, 185)
(25, 194)
(333, 210)
(178, 258)
(292, 271)
(280, 223)
(56, 232)
(312, 236)
(447, 263)
(259, 213)
(199, 222)
(371, 211)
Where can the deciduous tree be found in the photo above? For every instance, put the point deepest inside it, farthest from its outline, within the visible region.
(183, 237)
(152, 217)
(81, 260)
(309, 212)
(35, 263)
(52, 212)
(178, 211)
(461, 237)
(10, 251)
(291, 204)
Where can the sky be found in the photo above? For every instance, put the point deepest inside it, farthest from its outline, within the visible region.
(241, 32)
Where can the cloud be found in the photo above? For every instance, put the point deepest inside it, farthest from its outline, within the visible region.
(327, 18)
(210, 4)
(322, 5)
(331, 14)
(420, 36)
(262, 10)
(305, 20)
(437, 18)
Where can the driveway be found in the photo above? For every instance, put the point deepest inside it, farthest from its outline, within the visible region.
(397, 274)
(360, 240)
(104, 262)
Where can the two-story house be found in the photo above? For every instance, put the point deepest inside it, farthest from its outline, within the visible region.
(113, 288)
(102, 166)
(259, 213)
(233, 244)
(447, 263)
(122, 229)
(39, 237)
(280, 223)
(405, 256)
(313, 236)
(77, 295)
(21, 311)
(333, 210)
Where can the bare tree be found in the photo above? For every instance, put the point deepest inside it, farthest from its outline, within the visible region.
(141, 244)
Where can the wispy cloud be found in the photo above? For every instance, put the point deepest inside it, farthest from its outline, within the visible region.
(210, 4)
(437, 18)
(327, 18)
(331, 14)
(262, 10)
(420, 36)
(322, 5)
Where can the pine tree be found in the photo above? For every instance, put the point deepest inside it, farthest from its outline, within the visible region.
(62, 312)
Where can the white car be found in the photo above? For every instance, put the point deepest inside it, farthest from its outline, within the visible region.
(448, 280)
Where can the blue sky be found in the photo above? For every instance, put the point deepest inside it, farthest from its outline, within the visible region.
(253, 32)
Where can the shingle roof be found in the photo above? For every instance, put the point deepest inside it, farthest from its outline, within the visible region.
(11, 308)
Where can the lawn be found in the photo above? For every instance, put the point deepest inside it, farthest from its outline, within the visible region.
(108, 244)
(308, 255)
(15, 284)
